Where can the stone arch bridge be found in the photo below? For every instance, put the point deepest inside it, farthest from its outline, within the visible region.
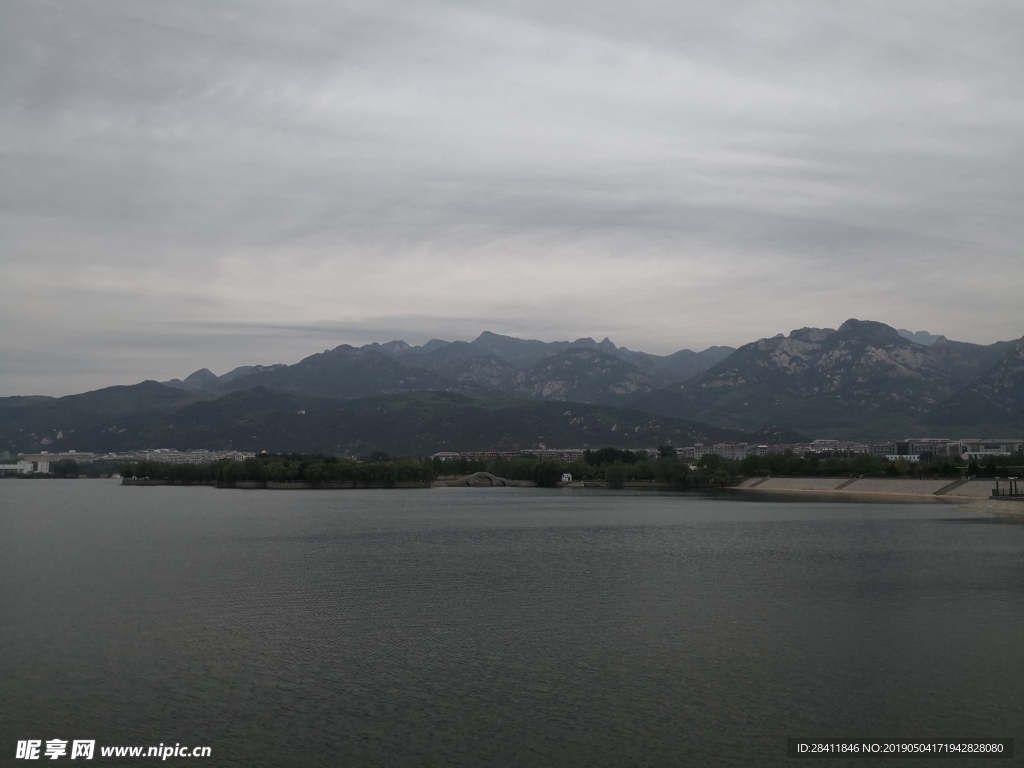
(487, 480)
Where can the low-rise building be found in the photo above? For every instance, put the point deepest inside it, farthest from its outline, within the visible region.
(971, 448)
(19, 468)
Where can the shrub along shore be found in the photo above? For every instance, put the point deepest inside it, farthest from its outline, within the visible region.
(608, 467)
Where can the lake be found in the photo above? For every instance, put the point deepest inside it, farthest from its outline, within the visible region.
(501, 627)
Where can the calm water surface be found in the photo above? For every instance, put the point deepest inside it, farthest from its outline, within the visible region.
(500, 626)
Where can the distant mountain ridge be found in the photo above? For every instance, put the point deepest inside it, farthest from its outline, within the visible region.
(921, 337)
(491, 365)
(863, 380)
(205, 379)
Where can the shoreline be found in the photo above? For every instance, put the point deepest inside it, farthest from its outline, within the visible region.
(998, 507)
(975, 495)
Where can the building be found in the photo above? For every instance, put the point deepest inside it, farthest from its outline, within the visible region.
(20, 468)
(199, 456)
(732, 451)
(41, 461)
(910, 458)
(973, 448)
(560, 454)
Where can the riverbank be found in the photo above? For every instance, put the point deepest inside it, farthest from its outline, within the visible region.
(976, 494)
(252, 485)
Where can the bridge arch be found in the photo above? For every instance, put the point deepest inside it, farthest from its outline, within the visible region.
(482, 479)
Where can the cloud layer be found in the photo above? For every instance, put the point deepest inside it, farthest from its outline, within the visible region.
(210, 184)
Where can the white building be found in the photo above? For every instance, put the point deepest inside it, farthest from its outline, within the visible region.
(972, 448)
(21, 468)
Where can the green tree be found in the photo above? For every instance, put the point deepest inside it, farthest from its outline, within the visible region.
(609, 456)
(546, 473)
(615, 475)
(581, 470)
(64, 468)
(673, 471)
(710, 461)
(252, 470)
(642, 470)
(865, 464)
(315, 473)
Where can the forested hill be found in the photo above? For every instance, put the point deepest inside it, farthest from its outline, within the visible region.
(403, 424)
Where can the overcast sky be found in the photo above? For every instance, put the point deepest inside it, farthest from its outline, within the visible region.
(211, 184)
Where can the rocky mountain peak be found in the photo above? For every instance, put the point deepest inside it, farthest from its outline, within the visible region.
(871, 330)
(808, 335)
(584, 374)
(863, 372)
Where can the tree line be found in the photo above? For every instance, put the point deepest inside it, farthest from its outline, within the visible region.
(610, 466)
(866, 465)
(287, 468)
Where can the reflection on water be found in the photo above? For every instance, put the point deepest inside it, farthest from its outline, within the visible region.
(500, 626)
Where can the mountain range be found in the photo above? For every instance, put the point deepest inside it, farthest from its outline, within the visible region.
(864, 380)
(491, 365)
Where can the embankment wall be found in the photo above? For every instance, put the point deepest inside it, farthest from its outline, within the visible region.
(928, 489)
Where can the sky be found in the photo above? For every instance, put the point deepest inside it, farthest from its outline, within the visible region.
(200, 183)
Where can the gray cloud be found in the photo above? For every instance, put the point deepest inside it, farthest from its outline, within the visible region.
(213, 184)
